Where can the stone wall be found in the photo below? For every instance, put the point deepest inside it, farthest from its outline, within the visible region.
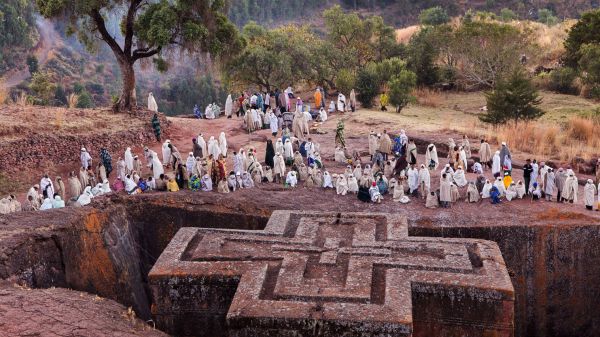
(42, 151)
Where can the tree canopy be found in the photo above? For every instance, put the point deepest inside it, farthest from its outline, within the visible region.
(434, 16)
(514, 99)
(585, 31)
(149, 30)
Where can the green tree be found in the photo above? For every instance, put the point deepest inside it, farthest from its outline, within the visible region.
(32, 64)
(401, 86)
(513, 99)
(367, 84)
(423, 51)
(43, 87)
(149, 30)
(546, 16)
(586, 30)
(345, 81)
(507, 15)
(85, 101)
(486, 52)
(434, 16)
(273, 58)
(590, 65)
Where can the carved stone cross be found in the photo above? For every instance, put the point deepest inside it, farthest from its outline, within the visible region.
(327, 274)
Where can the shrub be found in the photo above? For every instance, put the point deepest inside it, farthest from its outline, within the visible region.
(32, 63)
(562, 79)
(345, 81)
(401, 86)
(85, 101)
(367, 84)
(434, 16)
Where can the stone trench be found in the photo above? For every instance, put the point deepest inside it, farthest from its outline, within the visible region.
(110, 248)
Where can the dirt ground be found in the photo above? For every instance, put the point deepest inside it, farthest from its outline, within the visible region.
(358, 125)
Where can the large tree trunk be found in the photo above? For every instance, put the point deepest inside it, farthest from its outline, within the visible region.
(128, 99)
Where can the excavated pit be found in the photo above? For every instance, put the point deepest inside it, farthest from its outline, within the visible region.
(109, 249)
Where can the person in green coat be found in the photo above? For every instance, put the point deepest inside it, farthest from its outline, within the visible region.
(156, 126)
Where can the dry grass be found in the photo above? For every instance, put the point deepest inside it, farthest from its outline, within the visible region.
(72, 101)
(427, 97)
(576, 138)
(403, 35)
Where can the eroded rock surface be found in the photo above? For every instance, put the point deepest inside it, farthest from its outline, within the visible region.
(61, 312)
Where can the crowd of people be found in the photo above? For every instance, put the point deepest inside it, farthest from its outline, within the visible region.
(292, 158)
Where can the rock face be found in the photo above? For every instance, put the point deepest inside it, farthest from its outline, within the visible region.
(108, 249)
(327, 274)
(62, 312)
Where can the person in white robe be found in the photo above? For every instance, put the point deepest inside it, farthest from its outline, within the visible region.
(86, 197)
(341, 103)
(413, 179)
(190, 162)
(208, 112)
(327, 180)
(213, 147)
(373, 143)
(166, 153)
(106, 187)
(152, 106)
(232, 182)
(432, 200)
(5, 206)
(454, 194)
(206, 183)
(247, 180)
(477, 168)
(278, 167)
(46, 205)
(223, 145)
(463, 157)
(332, 107)
(47, 186)
(485, 191)
(459, 177)
(499, 183)
(228, 106)
(472, 193)
(352, 184)
(376, 196)
(279, 146)
(431, 157)
(288, 150)
(534, 173)
(291, 179)
(424, 181)
(521, 190)
(322, 115)
(496, 166)
(341, 185)
(398, 192)
(589, 194)
(511, 192)
(571, 187)
(157, 167)
(128, 160)
(340, 156)
(86, 159)
(357, 173)
(273, 123)
(549, 183)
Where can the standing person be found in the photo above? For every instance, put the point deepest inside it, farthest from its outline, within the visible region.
(598, 171)
(559, 179)
(341, 103)
(196, 149)
(128, 161)
(106, 160)
(373, 144)
(353, 100)
(47, 187)
(467, 147)
(411, 151)
(74, 185)
(589, 194)
(273, 123)
(534, 173)
(223, 144)
(318, 98)
(152, 106)
(385, 145)
(445, 192)
(485, 154)
(505, 158)
(156, 126)
(269, 154)
(549, 183)
(496, 166)
(278, 167)
(431, 157)
(86, 159)
(570, 188)
(228, 106)
(384, 99)
(527, 170)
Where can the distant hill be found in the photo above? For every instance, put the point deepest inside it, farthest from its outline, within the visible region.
(399, 13)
